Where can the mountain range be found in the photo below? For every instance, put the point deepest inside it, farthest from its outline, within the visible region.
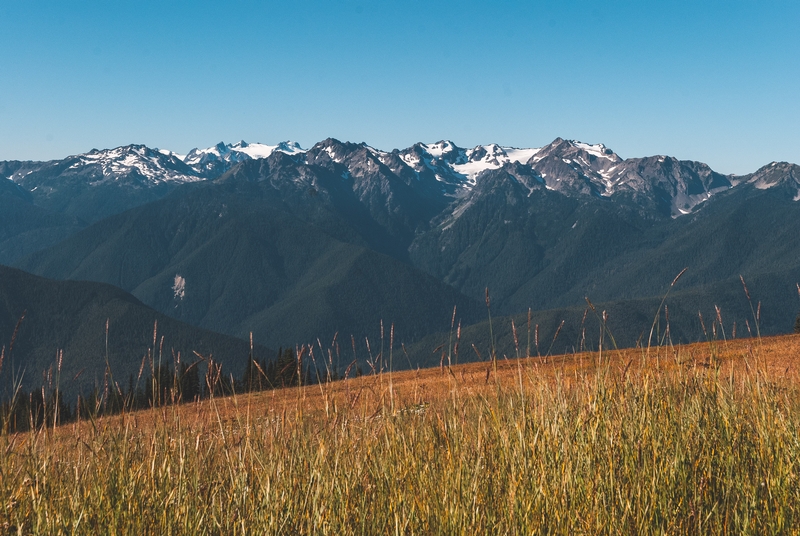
(296, 245)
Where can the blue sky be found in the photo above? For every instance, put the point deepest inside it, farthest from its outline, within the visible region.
(712, 81)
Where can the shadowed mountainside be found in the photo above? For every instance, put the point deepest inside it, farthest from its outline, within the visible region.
(71, 316)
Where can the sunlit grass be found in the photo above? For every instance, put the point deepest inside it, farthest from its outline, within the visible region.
(576, 446)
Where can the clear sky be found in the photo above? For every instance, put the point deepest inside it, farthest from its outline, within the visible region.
(715, 81)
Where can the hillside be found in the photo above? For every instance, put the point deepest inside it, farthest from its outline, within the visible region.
(413, 389)
(566, 444)
(251, 265)
(71, 316)
(628, 322)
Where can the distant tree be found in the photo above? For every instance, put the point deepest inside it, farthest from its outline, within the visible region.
(256, 376)
(188, 382)
(217, 383)
(250, 378)
(159, 386)
(286, 373)
(213, 379)
(34, 410)
(288, 370)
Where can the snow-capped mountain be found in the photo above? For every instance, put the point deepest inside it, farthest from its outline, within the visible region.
(133, 165)
(659, 183)
(573, 167)
(213, 161)
(492, 156)
(100, 183)
(130, 163)
(429, 174)
(456, 169)
(135, 162)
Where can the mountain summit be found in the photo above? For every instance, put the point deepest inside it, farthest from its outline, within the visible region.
(214, 161)
(660, 184)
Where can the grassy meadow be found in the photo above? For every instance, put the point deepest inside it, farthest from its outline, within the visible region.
(702, 438)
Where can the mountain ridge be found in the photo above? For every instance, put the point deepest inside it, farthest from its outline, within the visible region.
(659, 183)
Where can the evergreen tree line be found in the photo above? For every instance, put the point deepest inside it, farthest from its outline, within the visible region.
(164, 384)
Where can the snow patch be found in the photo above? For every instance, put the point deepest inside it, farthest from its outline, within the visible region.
(260, 150)
(179, 288)
(167, 152)
(413, 163)
(331, 154)
(607, 173)
(492, 156)
(238, 152)
(439, 148)
(520, 155)
(377, 152)
(598, 150)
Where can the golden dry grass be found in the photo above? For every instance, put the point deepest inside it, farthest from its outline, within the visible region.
(777, 358)
(693, 439)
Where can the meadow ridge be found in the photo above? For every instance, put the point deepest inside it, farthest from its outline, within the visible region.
(695, 438)
(776, 358)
